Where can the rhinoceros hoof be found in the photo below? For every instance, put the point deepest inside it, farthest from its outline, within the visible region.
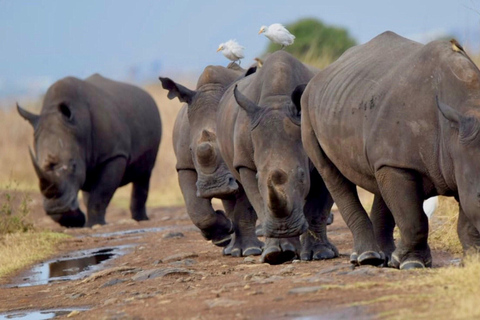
(220, 233)
(222, 242)
(259, 232)
(330, 219)
(408, 264)
(371, 258)
(280, 251)
(243, 247)
(319, 253)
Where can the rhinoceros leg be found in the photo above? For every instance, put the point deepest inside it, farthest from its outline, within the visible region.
(401, 190)
(467, 233)
(102, 190)
(214, 225)
(244, 240)
(315, 244)
(345, 195)
(139, 198)
(383, 225)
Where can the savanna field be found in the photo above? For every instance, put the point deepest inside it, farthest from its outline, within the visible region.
(214, 286)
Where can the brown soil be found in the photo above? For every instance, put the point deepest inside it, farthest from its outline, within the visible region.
(206, 285)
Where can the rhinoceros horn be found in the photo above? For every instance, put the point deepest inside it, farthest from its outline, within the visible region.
(30, 117)
(276, 198)
(245, 103)
(47, 184)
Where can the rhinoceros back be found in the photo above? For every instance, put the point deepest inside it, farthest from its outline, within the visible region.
(132, 117)
(378, 100)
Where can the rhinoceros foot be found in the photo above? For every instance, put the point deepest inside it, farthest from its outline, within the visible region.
(219, 232)
(330, 219)
(416, 260)
(370, 258)
(70, 219)
(316, 247)
(243, 246)
(278, 251)
(259, 232)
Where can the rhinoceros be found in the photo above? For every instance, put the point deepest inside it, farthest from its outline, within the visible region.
(93, 135)
(202, 173)
(401, 120)
(258, 131)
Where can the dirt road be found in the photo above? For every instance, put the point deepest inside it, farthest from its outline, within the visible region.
(163, 269)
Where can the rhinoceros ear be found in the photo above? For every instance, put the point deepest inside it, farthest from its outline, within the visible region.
(176, 90)
(250, 71)
(449, 113)
(30, 117)
(297, 96)
(245, 103)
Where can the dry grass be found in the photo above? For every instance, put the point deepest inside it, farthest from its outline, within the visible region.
(446, 293)
(443, 226)
(19, 250)
(17, 136)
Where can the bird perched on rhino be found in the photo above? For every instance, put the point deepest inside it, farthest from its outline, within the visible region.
(278, 34)
(232, 50)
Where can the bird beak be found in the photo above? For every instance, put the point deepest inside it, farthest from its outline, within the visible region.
(261, 31)
(219, 49)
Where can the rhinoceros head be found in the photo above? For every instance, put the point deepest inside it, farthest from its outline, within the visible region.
(59, 159)
(464, 148)
(213, 177)
(283, 173)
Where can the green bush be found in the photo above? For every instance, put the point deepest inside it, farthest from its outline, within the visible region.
(315, 42)
(14, 210)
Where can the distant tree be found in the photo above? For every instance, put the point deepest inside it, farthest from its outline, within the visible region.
(315, 42)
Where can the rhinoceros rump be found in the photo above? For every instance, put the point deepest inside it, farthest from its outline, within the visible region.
(258, 131)
(399, 119)
(93, 135)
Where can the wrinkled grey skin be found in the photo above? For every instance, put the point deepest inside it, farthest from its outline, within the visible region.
(202, 173)
(93, 135)
(399, 119)
(258, 131)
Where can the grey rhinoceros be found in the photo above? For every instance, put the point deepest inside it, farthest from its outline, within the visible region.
(93, 135)
(202, 173)
(258, 131)
(401, 120)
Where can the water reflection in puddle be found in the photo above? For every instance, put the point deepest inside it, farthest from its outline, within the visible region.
(37, 314)
(71, 267)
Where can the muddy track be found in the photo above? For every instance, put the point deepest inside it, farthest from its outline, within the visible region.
(165, 270)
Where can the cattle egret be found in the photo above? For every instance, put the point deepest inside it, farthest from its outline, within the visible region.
(232, 50)
(278, 34)
(430, 205)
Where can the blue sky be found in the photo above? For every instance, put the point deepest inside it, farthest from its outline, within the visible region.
(42, 41)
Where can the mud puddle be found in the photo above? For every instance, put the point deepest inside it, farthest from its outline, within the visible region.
(73, 266)
(38, 314)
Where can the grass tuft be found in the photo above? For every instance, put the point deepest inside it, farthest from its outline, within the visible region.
(19, 250)
(446, 293)
(14, 210)
(443, 226)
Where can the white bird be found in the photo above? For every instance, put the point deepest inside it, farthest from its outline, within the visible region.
(430, 205)
(232, 50)
(278, 34)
